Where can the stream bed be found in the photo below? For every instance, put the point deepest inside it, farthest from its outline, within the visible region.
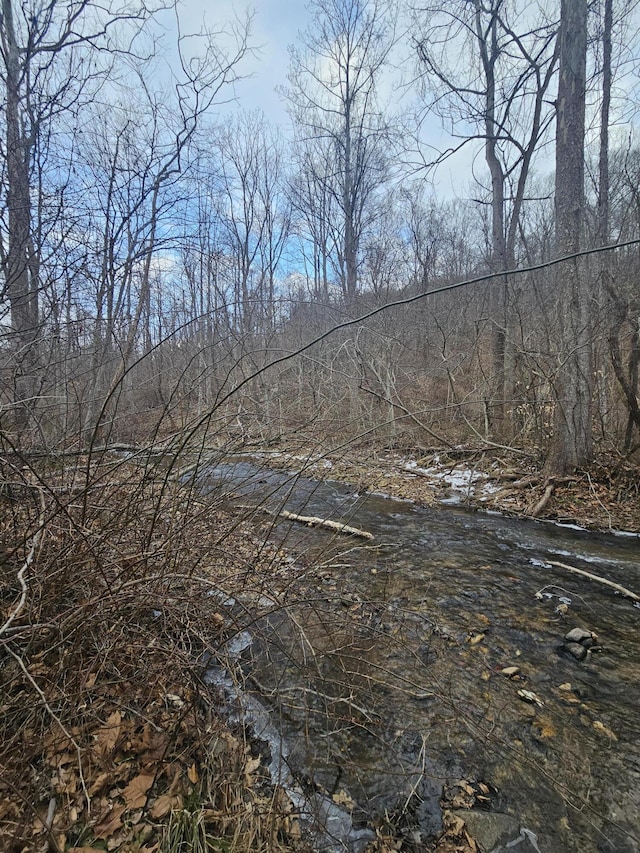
(430, 665)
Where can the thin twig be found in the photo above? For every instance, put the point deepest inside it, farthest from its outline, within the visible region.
(53, 847)
(22, 574)
(593, 492)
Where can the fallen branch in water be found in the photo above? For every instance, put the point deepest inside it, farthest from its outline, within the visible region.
(312, 521)
(337, 526)
(621, 589)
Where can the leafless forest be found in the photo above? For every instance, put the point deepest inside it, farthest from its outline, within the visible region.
(182, 280)
(156, 261)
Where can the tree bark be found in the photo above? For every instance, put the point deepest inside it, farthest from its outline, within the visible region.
(489, 52)
(571, 442)
(22, 289)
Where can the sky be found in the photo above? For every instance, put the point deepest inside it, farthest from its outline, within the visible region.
(275, 26)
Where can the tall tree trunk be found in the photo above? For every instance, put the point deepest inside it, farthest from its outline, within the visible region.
(605, 279)
(571, 441)
(489, 52)
(350, 235)
(20, 261)
(617, 307)
(603, 165)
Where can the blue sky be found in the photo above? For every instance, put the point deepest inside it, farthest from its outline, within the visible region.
(276, 24)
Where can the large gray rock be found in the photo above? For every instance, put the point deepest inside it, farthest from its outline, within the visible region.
(576, 650)
(578, 635)
(490, 830)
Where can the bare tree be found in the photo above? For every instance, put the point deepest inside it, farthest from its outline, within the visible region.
(333, 94)
(499, 95)
(619, 309)
(254, 215)
(315, 210)
(117, 194)
(45, 65)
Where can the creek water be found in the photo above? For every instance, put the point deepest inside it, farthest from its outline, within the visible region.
(382, 667)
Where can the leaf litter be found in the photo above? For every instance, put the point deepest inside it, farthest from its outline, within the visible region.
(107, 728)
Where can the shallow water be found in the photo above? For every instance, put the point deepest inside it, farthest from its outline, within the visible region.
(387, 677)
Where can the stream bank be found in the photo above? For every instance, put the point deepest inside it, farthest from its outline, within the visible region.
(604, 498)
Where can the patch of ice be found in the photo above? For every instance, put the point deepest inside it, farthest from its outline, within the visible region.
(461, 479)
(568, 526)
(489, 489)
(458, 479)
(387, 497)
(267, 601)
(540, 563)
(329, 827)
(413, 468)
(225, 600)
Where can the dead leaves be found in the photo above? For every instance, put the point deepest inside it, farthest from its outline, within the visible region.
(165, 804)
(153, 744)
(135, 794)
(604, 730)
(467, 794)
(131, 771)
(545, 727)
(250, 768)
(455, 838)
(133, 737)
(109, 821)
(107, 736)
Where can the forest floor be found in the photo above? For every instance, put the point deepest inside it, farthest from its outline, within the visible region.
(110, 739)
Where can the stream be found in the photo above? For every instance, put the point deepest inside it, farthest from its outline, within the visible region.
(383, 669)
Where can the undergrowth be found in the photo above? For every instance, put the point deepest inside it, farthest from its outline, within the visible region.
(112, 589)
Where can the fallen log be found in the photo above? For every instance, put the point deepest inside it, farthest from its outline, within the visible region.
(621, 589)
(544, 500)
(337, 526)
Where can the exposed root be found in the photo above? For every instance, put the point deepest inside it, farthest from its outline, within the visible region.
(544, 500)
